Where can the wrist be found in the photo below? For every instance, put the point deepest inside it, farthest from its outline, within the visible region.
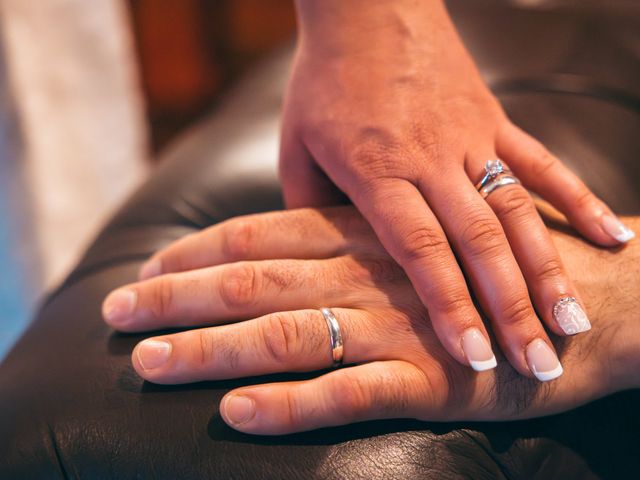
(354, 24)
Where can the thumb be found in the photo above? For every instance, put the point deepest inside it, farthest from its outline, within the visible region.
(304, 184)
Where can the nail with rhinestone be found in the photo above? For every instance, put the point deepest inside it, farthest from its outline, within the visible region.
(570, 316)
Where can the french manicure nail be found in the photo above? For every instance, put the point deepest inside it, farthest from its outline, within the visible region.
(119, 305)
(238, 409)
(478, 350)
(543, 361)
(150, 269)
(618, 230)
(570, 316)
(153, 353)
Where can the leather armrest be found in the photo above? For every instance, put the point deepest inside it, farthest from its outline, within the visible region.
(72, 406)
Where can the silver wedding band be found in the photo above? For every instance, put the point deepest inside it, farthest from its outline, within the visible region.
(335, 337)
(496, 175)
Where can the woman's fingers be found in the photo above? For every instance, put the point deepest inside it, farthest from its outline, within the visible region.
(411, 233)
(304, 233)
(275, 343)
(553, 293)
(544, 174)
(391, 389)
(479, 240)
(247, 289)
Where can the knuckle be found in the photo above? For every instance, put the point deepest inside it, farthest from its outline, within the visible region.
(205, 347)
(281, 337)
(239, 237)
(382, 394)
(545, 161)
(517, 311)
(453, 303)
(282, 275)
(482, 236)
(353, 397)
(162, 300)
(549, 268)
(516, 202)
(373, 149)
(239, 285)
(423, 243)
(293, 410)
(584, 197)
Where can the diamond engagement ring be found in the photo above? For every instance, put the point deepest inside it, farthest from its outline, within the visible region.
(496, 175)
(335, 336)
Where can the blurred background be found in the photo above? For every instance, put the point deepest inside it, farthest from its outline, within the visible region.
(90, 91)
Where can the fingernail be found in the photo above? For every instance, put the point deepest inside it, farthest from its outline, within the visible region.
(543, 361)
(119, 305)
(153, 353)
(618, 230)
(150, 269)
(570, 316)
(478, 350)
(238, 409)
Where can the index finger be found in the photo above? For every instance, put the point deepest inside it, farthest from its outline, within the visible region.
(294, 234)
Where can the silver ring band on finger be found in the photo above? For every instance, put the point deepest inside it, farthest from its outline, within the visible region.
(497, 175)
(335, 337)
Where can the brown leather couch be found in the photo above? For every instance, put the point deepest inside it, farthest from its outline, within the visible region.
(72, 406)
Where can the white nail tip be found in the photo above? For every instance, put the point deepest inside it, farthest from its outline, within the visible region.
(549, 375)
(481, 366)
(625, 235)
(570, 316)
(617, 229)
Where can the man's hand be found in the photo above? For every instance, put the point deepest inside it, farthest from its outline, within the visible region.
(385, 104)
(295, 262)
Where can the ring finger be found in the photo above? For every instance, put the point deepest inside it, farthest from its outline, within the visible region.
(553, 294)
(278, 342)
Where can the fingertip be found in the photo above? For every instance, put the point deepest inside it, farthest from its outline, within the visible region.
(118, 307)
(543, 360)
(570, 317)
(238, 410)
(617, 230)
(478, 350)
(604, 230)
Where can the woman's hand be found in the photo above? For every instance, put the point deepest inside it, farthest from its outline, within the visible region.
(385, 103)
(295, 262)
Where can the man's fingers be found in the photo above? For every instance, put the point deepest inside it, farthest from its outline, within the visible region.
(275, 343)
(392, 389)
(544, 174)
(247, 289)
(304, 233)
(412, 235)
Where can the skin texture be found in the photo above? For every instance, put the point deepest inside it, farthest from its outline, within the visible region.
(297, 261)
(385, 105)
